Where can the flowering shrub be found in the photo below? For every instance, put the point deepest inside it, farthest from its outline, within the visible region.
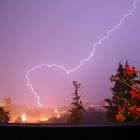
(125, 103)
(130, 70)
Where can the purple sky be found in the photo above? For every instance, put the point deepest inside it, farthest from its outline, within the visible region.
(63, 32)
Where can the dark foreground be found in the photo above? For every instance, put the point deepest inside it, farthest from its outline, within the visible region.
(59, 131)
(19, 125)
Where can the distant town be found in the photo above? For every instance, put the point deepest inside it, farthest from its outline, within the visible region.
(25, 114)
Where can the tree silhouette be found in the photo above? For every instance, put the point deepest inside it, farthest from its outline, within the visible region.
(125, 102)
(4, 118)
(119, 90)
(77, 109)
(18, 120)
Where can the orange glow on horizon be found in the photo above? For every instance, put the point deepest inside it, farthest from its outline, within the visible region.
(58, 116)
(56, 111)
(24, 117)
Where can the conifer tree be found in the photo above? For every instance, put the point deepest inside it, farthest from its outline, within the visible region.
(125, 102)
(77, 109)
(4, 118)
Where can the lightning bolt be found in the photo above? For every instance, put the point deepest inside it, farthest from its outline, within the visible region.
(28, 83)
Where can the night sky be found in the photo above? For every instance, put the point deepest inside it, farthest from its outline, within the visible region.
(63, 32)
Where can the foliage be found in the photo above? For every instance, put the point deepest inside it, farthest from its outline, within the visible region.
(4, 118)
(125, 103)
(77, 109)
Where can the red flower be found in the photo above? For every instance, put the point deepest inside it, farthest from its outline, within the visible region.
(130, 70)
(120, 117)
(138, 96)
(135, 110)
(121, 109)
(138, 109)
(133, 92)
(132, 109)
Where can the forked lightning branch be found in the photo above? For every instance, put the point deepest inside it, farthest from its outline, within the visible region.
(68, 71)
